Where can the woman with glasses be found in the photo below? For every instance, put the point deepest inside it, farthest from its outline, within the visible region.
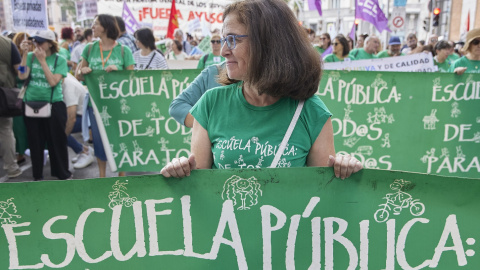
(215, 56)
(46, 70)
(340, 50)
(470, 62)
(104, 54)
(325, 43)
(267, 84)
(147, 57)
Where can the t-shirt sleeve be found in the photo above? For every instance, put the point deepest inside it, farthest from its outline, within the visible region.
(182, 104)
(16, 58)
(201, 110)
(62, 67)
(127, 57)
(315, 115)
(85, 51)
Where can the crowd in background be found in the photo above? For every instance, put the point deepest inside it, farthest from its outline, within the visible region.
(77, 50)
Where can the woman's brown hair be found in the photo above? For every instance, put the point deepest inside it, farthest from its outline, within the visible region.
(282, 61)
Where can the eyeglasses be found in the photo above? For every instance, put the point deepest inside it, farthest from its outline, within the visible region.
(216, 41)
(475, 42)
(231, 40)
(335, 43)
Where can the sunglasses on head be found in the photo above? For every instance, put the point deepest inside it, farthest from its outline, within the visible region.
(475, 42)
(215, 41)
(38, 42)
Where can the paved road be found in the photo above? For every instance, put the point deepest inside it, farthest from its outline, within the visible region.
(85, 173)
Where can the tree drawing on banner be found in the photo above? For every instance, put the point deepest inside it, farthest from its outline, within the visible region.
(119, 196)
(430, 120)
(8, 211)
(398, 201)
(243, 191)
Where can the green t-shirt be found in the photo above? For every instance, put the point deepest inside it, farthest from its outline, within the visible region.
(95, 60)
(39, 89)
(473, 66)
(452, 58)
(442, 67)
(211, 60)
(64, 53)
(319, 49)
(360, 53)
(333, 58)
(248, 136)
(385, 54)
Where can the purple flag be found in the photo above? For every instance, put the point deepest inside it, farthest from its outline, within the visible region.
(352, 32)
(315, 4)
(369, 10)
(328, 51)
(131, 24)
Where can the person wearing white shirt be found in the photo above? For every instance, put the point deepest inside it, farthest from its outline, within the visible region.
(147, 57)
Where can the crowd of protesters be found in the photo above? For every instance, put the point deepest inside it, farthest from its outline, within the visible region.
(107, 46)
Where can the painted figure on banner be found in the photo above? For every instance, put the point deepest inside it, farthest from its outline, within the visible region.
(430, 120)
(119, 195)
(8, 212)
(399, 200)
(248, 189)
(262, 96)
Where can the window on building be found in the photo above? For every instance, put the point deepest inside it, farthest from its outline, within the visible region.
(335, 4)
(64, 15)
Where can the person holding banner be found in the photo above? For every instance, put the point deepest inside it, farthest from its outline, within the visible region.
(105, 54)
(268, 87)
(46, 70)
(394, 49)
(470, 62)
(442, 50)
(368, 51)
(340, 50)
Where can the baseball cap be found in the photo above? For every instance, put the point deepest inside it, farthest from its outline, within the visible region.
(394, 41)
(43, 35)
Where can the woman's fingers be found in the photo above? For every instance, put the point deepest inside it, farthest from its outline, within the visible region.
(344, 165)
(179, 167)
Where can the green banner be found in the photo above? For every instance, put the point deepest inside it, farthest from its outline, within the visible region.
(293, 218)
(418, 122)
(132, 113)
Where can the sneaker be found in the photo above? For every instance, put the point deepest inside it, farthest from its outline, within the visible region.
(84, 160)
(75, 158)
(15, 173)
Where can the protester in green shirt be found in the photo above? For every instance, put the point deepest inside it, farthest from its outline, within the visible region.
(46, 72)
(213, 58)
(470, 63)
(340, 50)
(394, 48)
(326, 42)
(368, 51)
(452, 55)
(260, 98)
(442, 49)
(104, 54)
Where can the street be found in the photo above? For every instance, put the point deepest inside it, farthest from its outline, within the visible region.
(85, 173)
